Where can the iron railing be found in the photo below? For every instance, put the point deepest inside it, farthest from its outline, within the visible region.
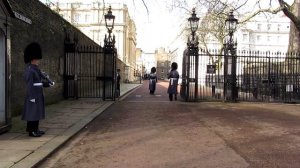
(89, 72)
(260, 76)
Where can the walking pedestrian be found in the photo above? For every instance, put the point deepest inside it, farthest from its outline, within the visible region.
(173, 77)
(34, 108)
(152, 80)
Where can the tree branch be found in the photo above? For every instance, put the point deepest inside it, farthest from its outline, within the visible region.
(145, 6)
(273, 11)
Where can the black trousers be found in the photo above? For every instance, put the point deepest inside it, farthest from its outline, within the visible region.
(171, 97)
(32, 126)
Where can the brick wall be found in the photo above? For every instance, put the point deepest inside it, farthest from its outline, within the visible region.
(48, 29)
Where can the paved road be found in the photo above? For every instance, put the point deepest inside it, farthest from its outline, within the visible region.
(149, 131)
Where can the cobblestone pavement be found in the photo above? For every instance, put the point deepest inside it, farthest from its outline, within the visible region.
(144, 130)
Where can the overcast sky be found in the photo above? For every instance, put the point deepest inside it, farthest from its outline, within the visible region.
(159, 25)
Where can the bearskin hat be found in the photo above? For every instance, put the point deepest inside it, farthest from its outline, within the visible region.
(174, 66)
(32, 51)
(153, 70)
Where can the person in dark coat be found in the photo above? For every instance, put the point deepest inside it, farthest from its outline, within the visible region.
(34, 108)
(118, 89)
(152, 80)
(173, 77)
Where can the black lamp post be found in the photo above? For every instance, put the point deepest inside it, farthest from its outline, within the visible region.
(230, 89)
(193, 59)
(110, 69)
(109, 23)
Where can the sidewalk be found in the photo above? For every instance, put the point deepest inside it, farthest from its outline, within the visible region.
(63, 120)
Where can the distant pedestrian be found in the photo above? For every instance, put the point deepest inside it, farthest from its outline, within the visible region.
(152, 80)
(34, 108)
(173, 76)
(118, 89)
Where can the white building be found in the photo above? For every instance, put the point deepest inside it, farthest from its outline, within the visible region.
(89, 18)
(263, 33)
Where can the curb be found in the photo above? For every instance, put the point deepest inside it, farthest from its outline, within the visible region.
(41, 153)
(128, 93)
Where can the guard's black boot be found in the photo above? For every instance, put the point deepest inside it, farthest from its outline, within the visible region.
(34, 134)
(41, 132)
(171, 97)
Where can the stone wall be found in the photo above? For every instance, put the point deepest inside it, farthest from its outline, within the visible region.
(48, 29)
(121, 66)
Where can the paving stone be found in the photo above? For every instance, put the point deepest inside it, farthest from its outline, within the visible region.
(54, 131)
(45, 138)
(56, 125)
(8, 136)
(13, 155)
(20, 145)
(6, 164)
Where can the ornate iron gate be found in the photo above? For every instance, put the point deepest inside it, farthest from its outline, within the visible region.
(260, 76)
(90, 72)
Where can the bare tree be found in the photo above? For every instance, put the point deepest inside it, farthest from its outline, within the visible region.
(218, 8)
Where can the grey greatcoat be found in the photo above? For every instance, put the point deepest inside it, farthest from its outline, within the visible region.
(173, 77)
(152, 82)
(34, 111)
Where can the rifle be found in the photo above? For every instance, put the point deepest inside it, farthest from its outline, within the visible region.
(47, 78)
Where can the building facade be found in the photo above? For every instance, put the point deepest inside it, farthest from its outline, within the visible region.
(163, 63)
(265, 34)
(89, 18)
(148, 61)
(261, 33)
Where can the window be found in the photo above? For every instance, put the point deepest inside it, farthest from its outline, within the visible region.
(96, 4)
(95, 35)
(259, 26)
(258, 38)
(278, 39)
(162, 71)
(269, 26)
(278, 27)
(75, 5)
(245, 37)
(87, 18)
(76, 17)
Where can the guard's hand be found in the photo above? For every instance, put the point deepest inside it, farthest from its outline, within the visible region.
(32, 100)
(52, 84)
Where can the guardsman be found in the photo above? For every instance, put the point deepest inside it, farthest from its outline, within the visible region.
(173, 77)
(34, 108)
(152, 80)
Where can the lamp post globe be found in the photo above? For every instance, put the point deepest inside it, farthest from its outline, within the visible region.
(194, 21)
(231, 23)
(109, 20)
(109, 23)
